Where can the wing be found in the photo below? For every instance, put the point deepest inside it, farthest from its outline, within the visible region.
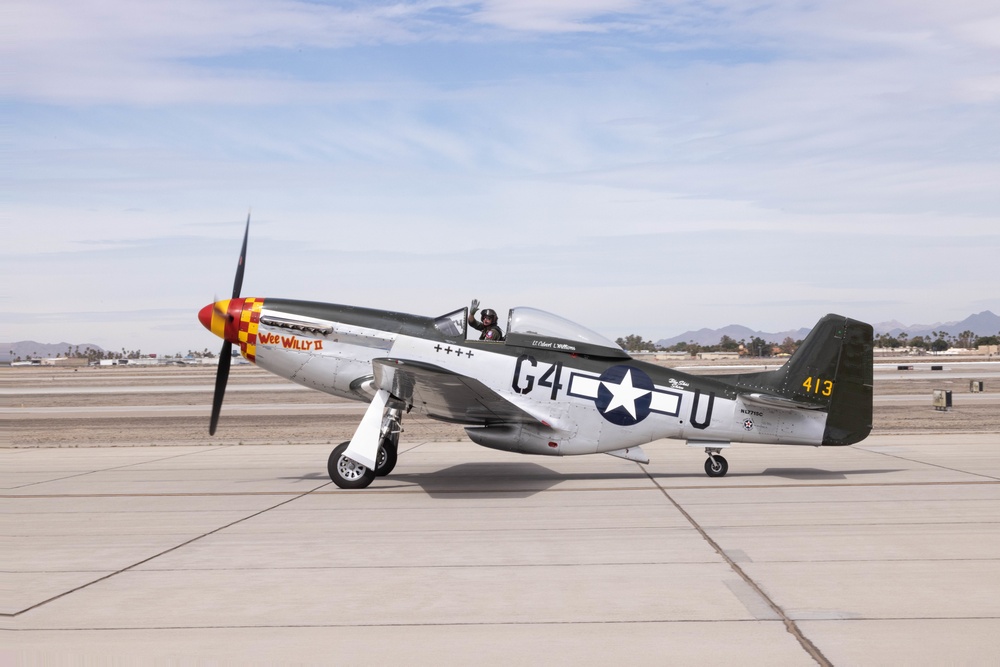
(445, 395)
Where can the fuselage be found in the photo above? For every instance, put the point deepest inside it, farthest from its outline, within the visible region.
(571, 397)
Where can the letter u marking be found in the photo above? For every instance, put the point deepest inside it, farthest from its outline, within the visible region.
(708, 413)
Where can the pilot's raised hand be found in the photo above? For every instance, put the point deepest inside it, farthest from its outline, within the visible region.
(475, 307)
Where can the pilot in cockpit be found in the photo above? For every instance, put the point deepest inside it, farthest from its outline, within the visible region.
(488, 326)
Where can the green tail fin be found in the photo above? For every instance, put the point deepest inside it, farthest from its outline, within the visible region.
(850, 419)
(831, 371)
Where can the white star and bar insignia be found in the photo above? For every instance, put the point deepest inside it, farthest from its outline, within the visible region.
(624, 395)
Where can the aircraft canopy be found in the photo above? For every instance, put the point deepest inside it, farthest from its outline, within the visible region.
(531, 327)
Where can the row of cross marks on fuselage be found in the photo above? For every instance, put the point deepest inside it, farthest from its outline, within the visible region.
(448, 350)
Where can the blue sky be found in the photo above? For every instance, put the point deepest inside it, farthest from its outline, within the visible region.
(638, 167)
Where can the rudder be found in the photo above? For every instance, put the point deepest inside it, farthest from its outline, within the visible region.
(850, 415)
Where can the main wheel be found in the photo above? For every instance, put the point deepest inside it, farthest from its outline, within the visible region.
(388, 453)
(347, 473)
(716, 466)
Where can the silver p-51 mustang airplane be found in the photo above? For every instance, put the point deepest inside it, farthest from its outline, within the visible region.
(551, 387)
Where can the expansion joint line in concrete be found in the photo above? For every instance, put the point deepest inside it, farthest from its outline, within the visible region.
(790, 625)
(162, 553)
(991, 478)
(126, 465)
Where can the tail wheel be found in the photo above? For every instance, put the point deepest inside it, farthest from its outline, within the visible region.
(716, 466)
(347, 473)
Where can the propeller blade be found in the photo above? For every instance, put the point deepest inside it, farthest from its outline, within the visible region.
(221, 377)
(238, 284)
(226, 355)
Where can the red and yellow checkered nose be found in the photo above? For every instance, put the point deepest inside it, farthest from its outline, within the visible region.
(236, 321)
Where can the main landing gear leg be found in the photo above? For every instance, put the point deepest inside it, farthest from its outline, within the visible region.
(352, 465)
(388, 450)
(716, 465)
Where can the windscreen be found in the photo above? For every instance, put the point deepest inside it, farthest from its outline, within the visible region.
(452, 324)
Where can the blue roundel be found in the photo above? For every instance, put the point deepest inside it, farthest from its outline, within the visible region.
(624, 394)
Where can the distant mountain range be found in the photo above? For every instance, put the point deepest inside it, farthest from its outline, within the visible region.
(735, 331)
(981, 324)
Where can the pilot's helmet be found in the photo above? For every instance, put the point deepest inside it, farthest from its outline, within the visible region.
(489, 312)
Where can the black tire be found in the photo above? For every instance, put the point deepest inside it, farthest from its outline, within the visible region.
(716, 466)
(346, 473)
(388, 454)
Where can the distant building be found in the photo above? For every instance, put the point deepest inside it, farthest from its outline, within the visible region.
(141, 361)
(672, 356)
(718, 356)
(71, 362)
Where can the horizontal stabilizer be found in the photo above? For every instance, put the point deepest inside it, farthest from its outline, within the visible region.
(780, 402)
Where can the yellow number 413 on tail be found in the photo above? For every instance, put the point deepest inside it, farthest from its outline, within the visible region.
(818, 386)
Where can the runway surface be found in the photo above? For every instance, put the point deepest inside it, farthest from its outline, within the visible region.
(887, 552)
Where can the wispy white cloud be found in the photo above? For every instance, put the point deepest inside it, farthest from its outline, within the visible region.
(560, 16)
(540, 132)
(162, 52)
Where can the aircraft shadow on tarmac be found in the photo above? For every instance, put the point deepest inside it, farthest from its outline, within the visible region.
(524, 479)
(514, 479)
(817, 474)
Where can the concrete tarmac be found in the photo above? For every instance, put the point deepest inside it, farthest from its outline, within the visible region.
(887, 552)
